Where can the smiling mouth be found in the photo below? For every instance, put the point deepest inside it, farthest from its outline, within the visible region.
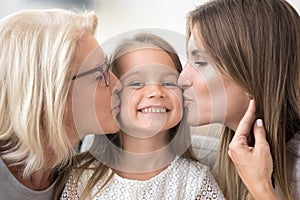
(154, 110)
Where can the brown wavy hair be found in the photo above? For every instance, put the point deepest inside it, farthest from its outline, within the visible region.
(256, 43)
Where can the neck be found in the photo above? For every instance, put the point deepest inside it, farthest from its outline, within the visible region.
(144, 145)
(143, 158)
(40, 179)
(232, 123)
(144, 166)
(73, 136)
(232, 126)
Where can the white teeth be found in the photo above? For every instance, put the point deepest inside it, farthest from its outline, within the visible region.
(154, 110)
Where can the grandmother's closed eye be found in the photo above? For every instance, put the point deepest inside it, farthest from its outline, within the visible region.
(102, 68)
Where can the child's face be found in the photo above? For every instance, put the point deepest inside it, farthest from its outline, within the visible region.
(151, 102)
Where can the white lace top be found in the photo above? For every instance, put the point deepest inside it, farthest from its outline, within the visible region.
(183, 179)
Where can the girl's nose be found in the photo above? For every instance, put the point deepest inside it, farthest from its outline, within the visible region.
(154, 91)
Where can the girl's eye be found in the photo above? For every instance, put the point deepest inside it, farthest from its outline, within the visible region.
(136, 84)
(169, 84)
(99, 78)
(201, 63)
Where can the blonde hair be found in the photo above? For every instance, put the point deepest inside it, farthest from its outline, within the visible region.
(256, 43)
(179, 135)
(37, 48)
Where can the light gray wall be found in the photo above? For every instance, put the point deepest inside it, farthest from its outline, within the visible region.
(118, 16)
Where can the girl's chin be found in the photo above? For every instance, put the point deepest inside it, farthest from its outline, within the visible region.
(151, 119)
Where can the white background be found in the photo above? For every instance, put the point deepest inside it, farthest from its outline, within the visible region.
(118, 16)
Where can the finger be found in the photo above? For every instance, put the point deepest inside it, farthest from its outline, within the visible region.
(259, 132)
(231, 155)
(246, 122)
(238, 150)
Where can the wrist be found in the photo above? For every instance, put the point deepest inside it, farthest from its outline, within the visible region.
(264, 191)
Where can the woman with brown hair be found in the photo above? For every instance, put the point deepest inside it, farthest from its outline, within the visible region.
(240, 50)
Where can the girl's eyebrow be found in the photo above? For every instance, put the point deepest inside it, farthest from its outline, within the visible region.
(127, 75)
(140, 74)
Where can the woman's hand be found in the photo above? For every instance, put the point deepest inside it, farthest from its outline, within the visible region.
(253, 164)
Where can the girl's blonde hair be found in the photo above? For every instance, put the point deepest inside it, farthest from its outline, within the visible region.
(36, 69)
(256, 43)
(179, 135)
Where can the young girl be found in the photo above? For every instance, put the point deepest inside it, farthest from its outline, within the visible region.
(253, 47)
(152, 156)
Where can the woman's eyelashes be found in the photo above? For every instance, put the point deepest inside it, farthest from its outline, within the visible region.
(201, 63)
(99, 78)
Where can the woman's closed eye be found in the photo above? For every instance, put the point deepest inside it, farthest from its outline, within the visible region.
(201, 63)
(99, 78)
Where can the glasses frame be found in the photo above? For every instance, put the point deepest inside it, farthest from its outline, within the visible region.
(103, 68)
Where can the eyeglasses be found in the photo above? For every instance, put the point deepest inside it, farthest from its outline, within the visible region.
(103, 68)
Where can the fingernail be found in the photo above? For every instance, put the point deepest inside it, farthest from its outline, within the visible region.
(259, 123)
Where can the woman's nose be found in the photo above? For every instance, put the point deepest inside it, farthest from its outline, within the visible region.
(184, 79)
